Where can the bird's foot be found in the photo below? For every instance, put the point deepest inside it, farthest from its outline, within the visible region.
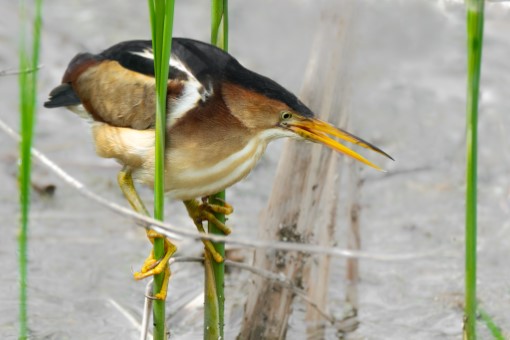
(207, 211)
(153, 266)
(200, 212)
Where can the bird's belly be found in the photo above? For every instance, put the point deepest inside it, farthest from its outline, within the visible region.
(186, 183)
(187, 180)
(189, 172)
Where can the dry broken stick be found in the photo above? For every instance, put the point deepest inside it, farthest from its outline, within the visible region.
(171, 230)
(13, 71)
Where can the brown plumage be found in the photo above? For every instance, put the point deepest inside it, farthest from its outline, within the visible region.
(220, 119)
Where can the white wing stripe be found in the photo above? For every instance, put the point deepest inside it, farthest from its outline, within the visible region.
(192, 92)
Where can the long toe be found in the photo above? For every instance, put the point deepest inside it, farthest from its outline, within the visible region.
(220, 225)
(225, 209)
(154, 266)
(164, 286)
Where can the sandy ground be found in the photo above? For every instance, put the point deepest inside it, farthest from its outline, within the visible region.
(408, 94)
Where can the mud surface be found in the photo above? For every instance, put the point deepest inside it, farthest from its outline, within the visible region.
(408, 97)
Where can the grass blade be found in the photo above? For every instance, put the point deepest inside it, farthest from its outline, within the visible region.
(475, 16)
(490, 324)
(161, 15)
(216, 282)
(28, 94)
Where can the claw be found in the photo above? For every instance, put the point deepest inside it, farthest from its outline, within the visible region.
(204, 211)
(164, 288)
(209, 217)
(149, 263)
(154, 266)
(225, 209)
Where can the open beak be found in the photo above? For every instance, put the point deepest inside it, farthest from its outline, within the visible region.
(315, 130)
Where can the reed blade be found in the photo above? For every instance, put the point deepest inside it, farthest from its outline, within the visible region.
(161, 15)
(475, 19)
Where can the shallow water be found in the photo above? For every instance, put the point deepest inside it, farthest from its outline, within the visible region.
(407, 97)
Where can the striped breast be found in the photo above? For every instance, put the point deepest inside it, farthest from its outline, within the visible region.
(186, 183)
(198, 181)
(191, 171)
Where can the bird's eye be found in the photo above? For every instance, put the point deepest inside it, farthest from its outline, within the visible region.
(285, 115)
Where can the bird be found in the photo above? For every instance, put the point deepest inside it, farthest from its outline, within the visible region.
(220, 118)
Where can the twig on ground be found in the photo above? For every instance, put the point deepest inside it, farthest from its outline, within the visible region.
(147, 308)
(14, 71)
(279, 278)
(126, 314)
(171, 230)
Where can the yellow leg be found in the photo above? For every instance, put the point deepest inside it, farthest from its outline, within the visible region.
(164, 286)
(151, 265)
(127, 186)
(204, 211)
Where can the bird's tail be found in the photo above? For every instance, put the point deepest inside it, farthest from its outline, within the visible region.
(62, 95)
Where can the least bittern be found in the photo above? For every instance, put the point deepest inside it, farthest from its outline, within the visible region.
(210, 94)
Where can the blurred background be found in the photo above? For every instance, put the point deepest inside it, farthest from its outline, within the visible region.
(407, 95)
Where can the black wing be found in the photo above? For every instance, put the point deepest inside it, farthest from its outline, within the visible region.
(190, 58)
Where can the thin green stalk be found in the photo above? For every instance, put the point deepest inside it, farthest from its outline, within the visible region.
(216, 282)
(219, 23)
(161, 15)
(211, 311)
(491, 325)
(28, 94)
(475, 16)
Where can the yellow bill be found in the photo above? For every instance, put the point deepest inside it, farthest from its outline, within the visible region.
(318, 131)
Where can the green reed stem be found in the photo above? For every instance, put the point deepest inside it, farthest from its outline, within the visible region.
(161, 15)
(219, 23)
(475, 16)
(212, 329)
(216, 282)
(28, 61)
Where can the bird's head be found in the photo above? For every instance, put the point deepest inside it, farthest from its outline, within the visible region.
(267, 108)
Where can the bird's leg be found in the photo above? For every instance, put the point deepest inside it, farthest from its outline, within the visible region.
(151, 266)
(204, 211)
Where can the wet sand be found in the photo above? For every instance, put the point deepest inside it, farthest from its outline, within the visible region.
(408, 92)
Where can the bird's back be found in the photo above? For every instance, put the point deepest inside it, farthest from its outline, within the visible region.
(117, 86)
